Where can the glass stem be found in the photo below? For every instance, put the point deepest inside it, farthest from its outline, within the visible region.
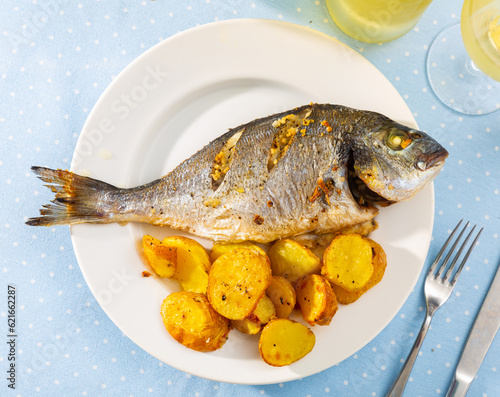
(472, 68)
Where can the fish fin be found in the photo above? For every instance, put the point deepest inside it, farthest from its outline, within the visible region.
(76, 199)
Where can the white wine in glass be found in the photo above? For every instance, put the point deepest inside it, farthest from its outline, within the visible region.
(480, 25)
(376, 21)
(463, 64)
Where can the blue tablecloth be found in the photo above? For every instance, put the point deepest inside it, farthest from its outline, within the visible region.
(58, 56)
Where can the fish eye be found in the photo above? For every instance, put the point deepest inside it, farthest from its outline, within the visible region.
(398, 139)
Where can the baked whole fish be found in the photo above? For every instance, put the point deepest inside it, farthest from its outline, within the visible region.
(317, 169)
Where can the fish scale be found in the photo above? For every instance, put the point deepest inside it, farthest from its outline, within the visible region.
(322, 176)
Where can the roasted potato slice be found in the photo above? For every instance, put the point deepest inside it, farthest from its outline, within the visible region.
(347, 262)
(292, 260)
(282, 294)
(318, 243)
(379, 262)
(193, 263)
(237, 281)
(316, 299)
(246, 326)
(219, 249)
(284, 341)
(191, 320)
(263, 313)
(161, 258)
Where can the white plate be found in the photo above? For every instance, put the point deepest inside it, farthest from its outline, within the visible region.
(176, 98)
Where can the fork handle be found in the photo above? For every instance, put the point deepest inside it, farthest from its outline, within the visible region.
(399, 385)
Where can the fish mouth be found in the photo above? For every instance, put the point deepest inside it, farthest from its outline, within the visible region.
(432, 160)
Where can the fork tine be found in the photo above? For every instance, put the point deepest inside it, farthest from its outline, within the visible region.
(452, 265)
(445, 262)
(455, 277)
(441, 251)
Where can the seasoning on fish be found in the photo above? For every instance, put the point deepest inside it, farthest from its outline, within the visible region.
(317, 169)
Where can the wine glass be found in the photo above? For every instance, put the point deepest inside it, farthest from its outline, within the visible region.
(463, 63)
(376, 21)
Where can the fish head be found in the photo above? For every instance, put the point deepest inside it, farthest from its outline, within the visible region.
(396, 162)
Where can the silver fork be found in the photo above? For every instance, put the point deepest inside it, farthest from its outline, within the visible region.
(437, 290)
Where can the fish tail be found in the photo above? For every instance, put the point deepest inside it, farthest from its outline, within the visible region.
(76, 199)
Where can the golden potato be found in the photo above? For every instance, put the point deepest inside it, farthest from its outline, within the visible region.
(190, 319)
(347, 262)
(318, 243)
(219, 249)
(263, 313)
(193, 263)
(237, 281)
(292, 260)
(246, 326)
(316, 299)
(161, 258)
(379, 262)
(282, 294)
(284, 341)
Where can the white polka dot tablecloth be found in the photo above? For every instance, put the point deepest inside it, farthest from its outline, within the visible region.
(58, 56)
